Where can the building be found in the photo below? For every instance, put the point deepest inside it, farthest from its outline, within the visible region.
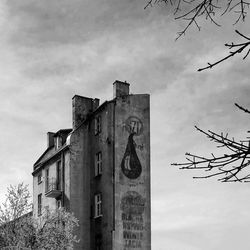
(100, 170)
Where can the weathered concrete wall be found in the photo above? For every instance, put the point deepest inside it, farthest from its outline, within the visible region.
(37, 189)
(80, 185)
(40, 188)
(132, 174)
(102, 227)
(83, 183)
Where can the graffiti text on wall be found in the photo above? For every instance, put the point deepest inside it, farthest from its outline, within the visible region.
(132, 207)
(134, 125)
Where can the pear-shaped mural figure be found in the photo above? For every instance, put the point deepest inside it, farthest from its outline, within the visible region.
(131, 166)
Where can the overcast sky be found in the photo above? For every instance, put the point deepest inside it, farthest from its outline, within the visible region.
(51, 50)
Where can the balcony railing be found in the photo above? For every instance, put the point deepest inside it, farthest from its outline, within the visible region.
(52, 188)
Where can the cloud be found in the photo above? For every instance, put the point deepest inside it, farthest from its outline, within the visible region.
(51, 50)
(61, 22)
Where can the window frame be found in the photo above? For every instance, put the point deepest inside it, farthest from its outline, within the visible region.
(46, 180)
(59, 175)
(59, 204)
(98, 205)
(39, 178)
(39, 204)
(98, 163)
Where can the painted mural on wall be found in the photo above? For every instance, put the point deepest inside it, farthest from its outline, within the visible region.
(132, 174)
(132, 203)
(134, 125)
(131, 165)
(132, 207)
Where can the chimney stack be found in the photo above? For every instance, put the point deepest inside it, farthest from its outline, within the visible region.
(120, 89)
(96, 103)
(81, 107)
(50, 139)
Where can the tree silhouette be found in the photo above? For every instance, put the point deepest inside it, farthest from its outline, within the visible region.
(231, 166)
(192, 11)
(54, 229)
(15, 218)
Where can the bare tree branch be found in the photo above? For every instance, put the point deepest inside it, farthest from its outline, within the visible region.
(241, 108)
(241, 47)
(229, 167)
(192, 11)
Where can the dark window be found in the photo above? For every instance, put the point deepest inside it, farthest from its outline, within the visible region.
(98, 125)
(98, 163)
(47, 180)
(39, 178)
(58, 203)
(98, 205)
(39, 204)
(59, 175)
(58, 142)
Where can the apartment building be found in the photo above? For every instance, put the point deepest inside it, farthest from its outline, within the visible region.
(100, 171)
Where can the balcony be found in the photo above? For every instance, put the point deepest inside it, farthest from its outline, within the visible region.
(52, 188)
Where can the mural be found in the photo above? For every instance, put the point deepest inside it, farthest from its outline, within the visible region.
(132, 175)
(132, 207)
(134, 125)
(131, 166)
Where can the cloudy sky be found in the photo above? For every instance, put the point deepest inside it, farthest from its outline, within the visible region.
(51, 50)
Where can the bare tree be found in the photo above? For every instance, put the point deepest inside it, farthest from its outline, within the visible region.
(231, 166)
(192, 11)
(15, 217)
(53, 230)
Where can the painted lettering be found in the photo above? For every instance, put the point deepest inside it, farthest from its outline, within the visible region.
(134, 125)
(132, 206)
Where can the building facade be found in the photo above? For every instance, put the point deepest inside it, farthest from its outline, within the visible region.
(100, 171)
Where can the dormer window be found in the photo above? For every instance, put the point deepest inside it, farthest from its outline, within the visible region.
(58, 142)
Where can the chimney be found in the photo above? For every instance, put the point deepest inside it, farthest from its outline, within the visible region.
(120, 89)
(96, 102)
(50, 139)
(81, 107)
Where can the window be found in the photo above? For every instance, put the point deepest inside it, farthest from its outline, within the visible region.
(59, 175)
(98, 163)
(47, 180)
(58, 203)
(58, 141)
(98, 205)
(39, 178)
(39, 204)
(97, 125)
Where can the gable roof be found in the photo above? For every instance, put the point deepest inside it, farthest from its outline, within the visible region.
(50, 151)
(46, 154)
